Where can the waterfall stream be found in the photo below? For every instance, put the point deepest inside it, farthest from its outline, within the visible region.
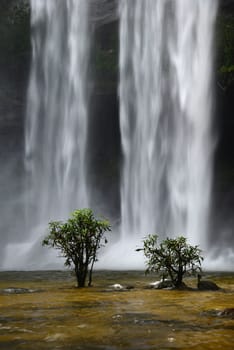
(166, 118)
(56, 125)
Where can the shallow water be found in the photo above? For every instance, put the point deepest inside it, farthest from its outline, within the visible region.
(48, 312)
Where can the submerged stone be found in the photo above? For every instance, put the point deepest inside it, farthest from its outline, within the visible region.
(15, 290)
(162, 284)
(206, 285)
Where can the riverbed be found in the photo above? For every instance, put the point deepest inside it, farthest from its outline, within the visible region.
(44, 310)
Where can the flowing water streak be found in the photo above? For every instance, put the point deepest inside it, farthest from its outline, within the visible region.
(56, 124)
(55, 127)
(165, 117)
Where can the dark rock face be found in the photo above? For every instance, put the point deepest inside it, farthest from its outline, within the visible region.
(104, 153)
(227, 5)
(223, 176)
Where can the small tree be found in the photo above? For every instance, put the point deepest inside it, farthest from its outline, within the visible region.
(78, 239)
(173, 258)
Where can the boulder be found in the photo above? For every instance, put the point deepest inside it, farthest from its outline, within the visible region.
(162, 284)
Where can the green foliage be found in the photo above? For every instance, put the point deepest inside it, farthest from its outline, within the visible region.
(173, 258)
(106, 64)
(78, 239)
(105, 54)
(14, 29)
(225, 49)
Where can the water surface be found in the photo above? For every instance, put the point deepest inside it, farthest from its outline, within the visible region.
(44, 310)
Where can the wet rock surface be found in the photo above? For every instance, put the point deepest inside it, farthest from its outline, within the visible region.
(227, 312)
(16, 290)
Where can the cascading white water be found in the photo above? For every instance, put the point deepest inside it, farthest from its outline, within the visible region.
(56, 125)
(165, 120)
(166, 117)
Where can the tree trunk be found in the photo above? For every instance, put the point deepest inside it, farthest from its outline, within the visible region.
(179, 281)
(81, 274)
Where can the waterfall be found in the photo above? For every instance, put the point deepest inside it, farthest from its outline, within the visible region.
(165, 94)
(57, 114)
(166, 118)
(56, 125)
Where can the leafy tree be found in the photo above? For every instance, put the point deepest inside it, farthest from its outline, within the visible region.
(78, 239)
(173, 258)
